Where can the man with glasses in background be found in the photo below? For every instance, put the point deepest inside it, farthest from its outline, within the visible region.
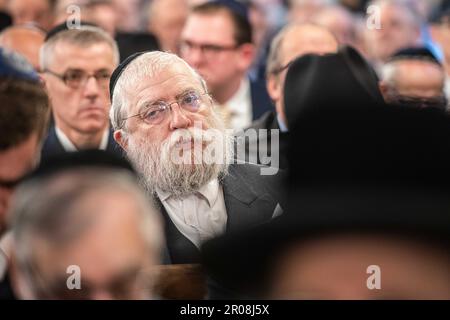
(217, 42)
(414, 77)
(76, 66)
(293, 40)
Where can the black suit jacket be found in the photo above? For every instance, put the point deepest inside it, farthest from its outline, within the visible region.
(250, 199)
(267, 121)
(52, 146)
(261, 102)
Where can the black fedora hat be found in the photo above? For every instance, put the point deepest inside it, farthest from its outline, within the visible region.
(398, 184)
(335, 79)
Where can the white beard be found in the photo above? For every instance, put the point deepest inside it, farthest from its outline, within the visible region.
(158, 170)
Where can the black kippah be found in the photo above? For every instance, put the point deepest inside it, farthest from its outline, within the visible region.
(116, 74)
(415, 53)
(64, 27)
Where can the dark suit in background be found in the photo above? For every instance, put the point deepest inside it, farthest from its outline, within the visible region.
(130, 43)
(52, 146)
(261, 102)
(253, 147)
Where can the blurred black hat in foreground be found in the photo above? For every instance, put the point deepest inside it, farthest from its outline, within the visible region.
(357, 165)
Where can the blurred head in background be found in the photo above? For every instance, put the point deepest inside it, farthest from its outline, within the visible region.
(40, 12)
(340, 22)
(24, 113)
(166, 19)
(302, 11)
(88, 222)
(217, 42)
(26, 40)
(294, 40)
(102, 13)
(399, 28)
(76, 66)
(414, 77)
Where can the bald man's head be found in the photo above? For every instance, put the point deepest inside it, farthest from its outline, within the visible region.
(292, 41)
(25, 40)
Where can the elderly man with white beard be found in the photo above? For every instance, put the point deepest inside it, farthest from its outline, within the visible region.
(165, 121)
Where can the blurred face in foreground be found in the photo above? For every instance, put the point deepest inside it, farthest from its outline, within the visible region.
(336, 267)
(114, 259)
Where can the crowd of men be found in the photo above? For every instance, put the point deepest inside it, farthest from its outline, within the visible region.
(281, 149)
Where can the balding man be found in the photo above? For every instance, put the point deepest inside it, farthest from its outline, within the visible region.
(25, 40)
(292, 41)
(414, 77)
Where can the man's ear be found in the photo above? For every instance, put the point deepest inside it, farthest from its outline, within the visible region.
(247, 55)
(273, 87)
(121, 139)
(383, 88)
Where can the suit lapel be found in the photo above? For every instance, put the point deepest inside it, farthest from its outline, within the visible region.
(247, 203)
(52, 146)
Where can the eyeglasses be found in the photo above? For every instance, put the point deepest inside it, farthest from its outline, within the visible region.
(78, 78)
(208, 50)
(439, 102)
(282, 68)
(157, 112)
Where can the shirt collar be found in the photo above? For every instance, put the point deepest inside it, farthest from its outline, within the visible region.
(209, 191)
(236, 101)
(163, 195)
(281, 124)
(70, 147)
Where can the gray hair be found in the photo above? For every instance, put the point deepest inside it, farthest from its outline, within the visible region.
(145, 66)
(84, 36)
(46, 209)
(390, 69)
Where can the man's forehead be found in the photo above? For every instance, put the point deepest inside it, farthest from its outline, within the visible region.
(209, 27)
(311, 40)
(99, 51)
(177, 74)
(417, 67)
(164, 83)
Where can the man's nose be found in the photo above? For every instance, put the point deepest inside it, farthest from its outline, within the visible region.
(179, 119)
(91, 88)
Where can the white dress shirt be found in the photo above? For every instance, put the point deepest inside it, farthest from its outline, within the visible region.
(70, 147)
(200, 216)
(240, 106)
